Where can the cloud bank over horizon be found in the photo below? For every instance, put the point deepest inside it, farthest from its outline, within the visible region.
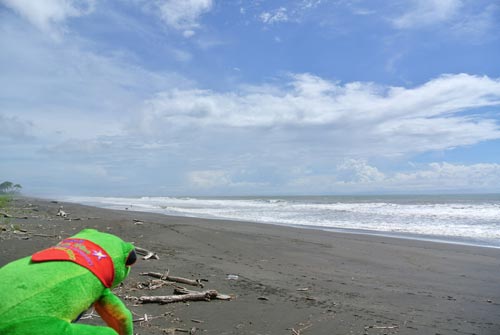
(171, 101)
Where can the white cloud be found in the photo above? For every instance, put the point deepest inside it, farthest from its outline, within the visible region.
(183, 15)
(428, 12)
(446, 176)
(369, 119)
(358, 171)
(307, 4)
(351, 175)
(276, 16)
(433, 177)
(50, 15)
(459, 19)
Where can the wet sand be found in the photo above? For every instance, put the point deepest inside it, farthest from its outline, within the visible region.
(288, 280)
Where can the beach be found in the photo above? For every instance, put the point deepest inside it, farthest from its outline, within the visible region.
(283, 280)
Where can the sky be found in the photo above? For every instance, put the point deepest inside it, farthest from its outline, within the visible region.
(219, 97)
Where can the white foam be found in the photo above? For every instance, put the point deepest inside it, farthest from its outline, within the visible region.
(475, 220)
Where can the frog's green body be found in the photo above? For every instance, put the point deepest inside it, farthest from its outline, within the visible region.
(45, 297)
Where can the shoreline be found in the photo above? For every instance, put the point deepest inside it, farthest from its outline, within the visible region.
(419, 229)
(455, 240)
(320, 282)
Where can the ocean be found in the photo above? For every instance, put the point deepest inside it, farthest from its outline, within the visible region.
(462, 219)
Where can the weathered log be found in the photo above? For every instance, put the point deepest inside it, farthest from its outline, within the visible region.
(184, 291)
(181, 295)
(167, 277)
(168, 299)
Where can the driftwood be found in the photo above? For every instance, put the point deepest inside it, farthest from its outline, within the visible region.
(143, 319)
(154, 284)
(167, 299)
(167, 277)
(299, 331)
(182, 295)
(147, 318)
(19, 230)
(62, 213)
(5, 215)
(184, 291)
(146, 253)
(172, 331)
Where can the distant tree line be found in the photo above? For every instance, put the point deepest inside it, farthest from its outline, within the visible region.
(8, 187)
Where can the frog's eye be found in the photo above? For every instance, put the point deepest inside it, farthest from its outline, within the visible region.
(132, 257)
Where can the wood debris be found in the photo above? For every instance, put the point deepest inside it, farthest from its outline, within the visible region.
(181, 296)
(146, 253)
(5, 215)
(300, 330)
(167, 277)
(153, 284)
(62, 213)
(172, 331)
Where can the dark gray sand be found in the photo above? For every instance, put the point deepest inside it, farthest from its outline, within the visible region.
(289, 281)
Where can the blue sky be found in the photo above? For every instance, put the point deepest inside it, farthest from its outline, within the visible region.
(207, 97)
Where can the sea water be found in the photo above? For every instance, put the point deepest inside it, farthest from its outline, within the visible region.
(467, 219)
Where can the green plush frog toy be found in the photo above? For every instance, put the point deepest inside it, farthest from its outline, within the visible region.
(45, 293)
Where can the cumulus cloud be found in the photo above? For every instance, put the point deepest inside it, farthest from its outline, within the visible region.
(356, 175)
(183, 15)
(447, 176)
(424, 13)
(369, 118)
(316, 135)
(358, 171)
(349, 174)
(49, 15)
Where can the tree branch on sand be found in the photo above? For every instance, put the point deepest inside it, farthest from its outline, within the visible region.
(167, 277)
(181, 295)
